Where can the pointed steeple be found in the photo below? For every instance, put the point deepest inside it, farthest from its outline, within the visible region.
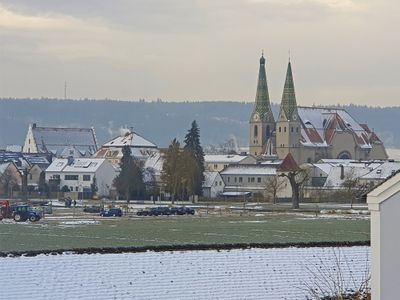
(288, 104)
(262, 105)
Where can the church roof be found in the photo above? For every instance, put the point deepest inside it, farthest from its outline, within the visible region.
(262, 103)
(288, 103)
(55, 140)
(319, 126)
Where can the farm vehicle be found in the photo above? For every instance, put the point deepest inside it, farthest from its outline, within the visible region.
(19, 212)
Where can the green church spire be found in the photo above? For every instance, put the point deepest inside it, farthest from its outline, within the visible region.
(262, 106)
(288, 104)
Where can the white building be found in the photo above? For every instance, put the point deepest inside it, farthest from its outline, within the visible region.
(384, 205)
(253, 179)
(213, 185)
(140, 147)
(78, 174)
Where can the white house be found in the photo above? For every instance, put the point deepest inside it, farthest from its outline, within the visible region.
(140, 147)
(78, 174)
(254, 179)
(384, 205)
(213, 184)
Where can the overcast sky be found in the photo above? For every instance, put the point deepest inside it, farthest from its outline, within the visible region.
(342, 51)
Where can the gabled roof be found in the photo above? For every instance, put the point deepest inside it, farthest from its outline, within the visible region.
(289, 164)
(209, 178)
(319, 126)
(54, 140)
(131, 139)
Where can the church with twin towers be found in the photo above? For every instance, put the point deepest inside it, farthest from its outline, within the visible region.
(307, 133)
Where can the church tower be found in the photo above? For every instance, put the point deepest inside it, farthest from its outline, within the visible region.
(262, 122)
(288, 130)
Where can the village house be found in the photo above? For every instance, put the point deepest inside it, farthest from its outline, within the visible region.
(10, 179)
(79, 174)
(213, 185)
(254, 179)
(60, 142)
(140, 147)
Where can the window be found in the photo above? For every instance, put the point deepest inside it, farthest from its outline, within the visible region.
(216, 183)
(259, 179)
(297, 129)
(280, 129)
(229, 179)
(255, 130)
(76, 189)
(71, 177)
(248, 179)
(215, 166)
(86, 177)
(252, 179)
(235, 179)
(284, 129)
(291, 128)
(29, 141)
(220, 183)
(240, 179)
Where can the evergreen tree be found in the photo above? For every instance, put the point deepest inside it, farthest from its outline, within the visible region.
(192, 144)
(93, 186)
(129, 182)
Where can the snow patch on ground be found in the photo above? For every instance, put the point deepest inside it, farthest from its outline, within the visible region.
(235, 274)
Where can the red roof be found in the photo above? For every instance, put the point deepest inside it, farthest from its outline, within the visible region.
(288, 164)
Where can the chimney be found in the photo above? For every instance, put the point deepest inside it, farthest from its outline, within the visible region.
(33, 125)
(341, 172)
(70, 160)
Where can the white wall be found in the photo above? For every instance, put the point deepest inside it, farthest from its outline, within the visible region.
(390, 248)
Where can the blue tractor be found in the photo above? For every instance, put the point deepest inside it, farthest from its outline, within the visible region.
(20, 213)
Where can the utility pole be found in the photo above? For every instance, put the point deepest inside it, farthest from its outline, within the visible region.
(65, 90)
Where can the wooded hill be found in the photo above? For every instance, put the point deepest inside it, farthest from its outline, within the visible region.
(160, 122)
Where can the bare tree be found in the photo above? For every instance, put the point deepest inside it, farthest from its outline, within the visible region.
(8, 180)
(354, 187)
(273, 185)
(297, 177)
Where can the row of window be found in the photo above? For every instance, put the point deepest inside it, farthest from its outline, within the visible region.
(76, 177)
(291, 129)
(249, 179)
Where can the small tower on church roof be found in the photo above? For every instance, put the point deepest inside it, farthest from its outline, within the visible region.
(288, 104)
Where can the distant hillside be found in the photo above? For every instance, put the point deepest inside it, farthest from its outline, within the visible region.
(160, 122)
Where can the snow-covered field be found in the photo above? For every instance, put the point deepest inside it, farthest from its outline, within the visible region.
(235, 274)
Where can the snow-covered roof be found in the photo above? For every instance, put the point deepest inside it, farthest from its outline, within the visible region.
(209, 178)
(223, 159)
(14, 148)
(335, 179)
(319, 126)
(382, 171)
(280, 273)
(4, 166)
(249, 170)
(116, 153)
(54, 140)
(131, 139)
(86, 165)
